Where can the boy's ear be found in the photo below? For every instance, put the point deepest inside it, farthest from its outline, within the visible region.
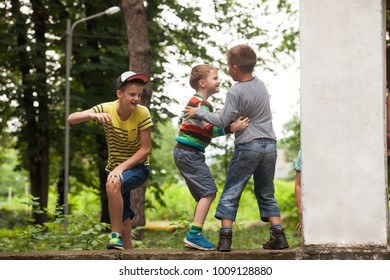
(202, 83)
(118, 93)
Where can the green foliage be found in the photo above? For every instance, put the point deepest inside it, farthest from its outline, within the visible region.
(83, 234)
(291, 142)
(12, 178)
(80, 232)
(11, 219)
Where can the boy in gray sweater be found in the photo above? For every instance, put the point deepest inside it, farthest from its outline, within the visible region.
(255, 149)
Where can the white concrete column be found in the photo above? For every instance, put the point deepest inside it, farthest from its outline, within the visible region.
(343, 89)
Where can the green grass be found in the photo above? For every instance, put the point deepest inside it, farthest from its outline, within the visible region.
(248, 236)
(249, 231)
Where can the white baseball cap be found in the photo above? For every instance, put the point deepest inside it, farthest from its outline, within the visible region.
(130, 76)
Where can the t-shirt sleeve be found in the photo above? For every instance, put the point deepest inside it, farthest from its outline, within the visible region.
(99, 108)
(145, 120)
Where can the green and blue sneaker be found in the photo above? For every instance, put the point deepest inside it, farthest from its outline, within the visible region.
(115, 241)
(197, 241)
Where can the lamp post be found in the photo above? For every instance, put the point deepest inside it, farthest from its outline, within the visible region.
(69, 37)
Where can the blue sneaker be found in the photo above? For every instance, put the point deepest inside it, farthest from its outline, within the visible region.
(197, 241)
(115, 241)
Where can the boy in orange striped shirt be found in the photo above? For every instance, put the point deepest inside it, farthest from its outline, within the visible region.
(194, 136)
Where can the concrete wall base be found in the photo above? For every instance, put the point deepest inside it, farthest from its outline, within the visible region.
(299, 253)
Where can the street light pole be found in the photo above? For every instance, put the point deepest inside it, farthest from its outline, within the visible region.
(69, 38)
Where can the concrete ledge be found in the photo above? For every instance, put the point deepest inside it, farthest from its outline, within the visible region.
(299, 253)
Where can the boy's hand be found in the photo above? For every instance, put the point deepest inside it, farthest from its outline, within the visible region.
(115, 175)
(190, 112)
(299, 225)
(102, 117)
(240, 124)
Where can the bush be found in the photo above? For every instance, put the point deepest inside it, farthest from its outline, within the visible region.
(80, 232)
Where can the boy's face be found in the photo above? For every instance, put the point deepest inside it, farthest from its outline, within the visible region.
(130, 95)
(212, 82)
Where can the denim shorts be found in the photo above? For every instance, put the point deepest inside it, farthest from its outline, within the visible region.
(257, 158)
(192, 166)
(132, 179)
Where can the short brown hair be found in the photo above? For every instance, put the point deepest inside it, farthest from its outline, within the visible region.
(198, 73)
(243, 56)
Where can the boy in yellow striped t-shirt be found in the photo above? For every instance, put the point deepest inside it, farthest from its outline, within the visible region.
(127, 126)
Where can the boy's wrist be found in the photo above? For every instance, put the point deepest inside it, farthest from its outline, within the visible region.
(228, 129)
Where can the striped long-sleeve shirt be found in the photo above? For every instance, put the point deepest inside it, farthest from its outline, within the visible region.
(197, 133)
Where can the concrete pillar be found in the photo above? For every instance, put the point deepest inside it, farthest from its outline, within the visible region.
(343, 89)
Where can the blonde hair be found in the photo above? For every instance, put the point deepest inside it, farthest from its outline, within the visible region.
(198, 73)
(243, 56)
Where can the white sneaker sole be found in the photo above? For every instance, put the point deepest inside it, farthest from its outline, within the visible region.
(191, 245)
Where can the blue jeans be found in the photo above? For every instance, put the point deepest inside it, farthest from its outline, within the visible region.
(132, 179)
(257, 158)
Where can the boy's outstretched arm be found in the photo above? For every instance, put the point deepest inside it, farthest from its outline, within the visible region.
(228, 113)
(88, 115)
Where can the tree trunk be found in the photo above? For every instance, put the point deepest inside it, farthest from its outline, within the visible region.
(61, 191)
(40, 161)
(33, 101)
(139, 61)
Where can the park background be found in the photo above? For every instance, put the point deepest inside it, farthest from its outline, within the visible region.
(179, 34)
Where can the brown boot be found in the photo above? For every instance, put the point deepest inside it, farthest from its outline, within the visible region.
(277, 240)
(225, 240)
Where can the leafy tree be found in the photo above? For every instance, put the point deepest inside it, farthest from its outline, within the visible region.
(25, 27)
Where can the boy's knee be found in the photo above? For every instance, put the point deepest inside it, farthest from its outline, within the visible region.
(112, 187)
